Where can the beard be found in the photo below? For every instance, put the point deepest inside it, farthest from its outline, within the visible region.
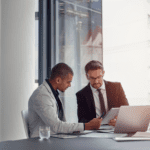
(96, 85)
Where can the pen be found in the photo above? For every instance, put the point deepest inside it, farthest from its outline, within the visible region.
(102, 116)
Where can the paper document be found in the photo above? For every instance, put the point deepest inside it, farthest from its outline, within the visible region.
(106, 131)
(63, 136)
(106, 127)
(71, 135)
(80, 133)
(110, 115)
(103, 135)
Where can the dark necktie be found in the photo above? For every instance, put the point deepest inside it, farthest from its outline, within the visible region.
(60, 115)
(101, 99)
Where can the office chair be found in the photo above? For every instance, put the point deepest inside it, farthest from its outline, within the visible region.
(24, 114)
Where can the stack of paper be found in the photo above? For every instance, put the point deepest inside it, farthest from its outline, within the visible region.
(63, 136)
(70, 135)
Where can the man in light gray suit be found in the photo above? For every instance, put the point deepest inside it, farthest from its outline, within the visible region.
(45, 107)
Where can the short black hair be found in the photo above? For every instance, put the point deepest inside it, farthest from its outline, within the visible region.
(93, 65)
(60, 70)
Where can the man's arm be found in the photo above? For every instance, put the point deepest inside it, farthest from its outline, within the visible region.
(45, 107)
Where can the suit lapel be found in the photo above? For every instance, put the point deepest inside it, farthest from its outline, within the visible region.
(108, 93)
(50, 91)
(90, 100)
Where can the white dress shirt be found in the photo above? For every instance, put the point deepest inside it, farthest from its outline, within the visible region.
(96, 99)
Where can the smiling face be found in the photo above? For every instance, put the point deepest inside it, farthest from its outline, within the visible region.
(95, 77)
(64, 83)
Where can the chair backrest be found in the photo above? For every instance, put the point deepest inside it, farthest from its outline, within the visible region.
(24, 114)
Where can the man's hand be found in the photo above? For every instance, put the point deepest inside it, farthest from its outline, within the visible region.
(113, 121)
(93, 124)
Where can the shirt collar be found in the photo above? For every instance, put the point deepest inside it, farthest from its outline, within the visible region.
(55, 92)
(102, 87)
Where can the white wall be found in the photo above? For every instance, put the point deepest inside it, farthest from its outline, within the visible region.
(17, 64)
(126, 50)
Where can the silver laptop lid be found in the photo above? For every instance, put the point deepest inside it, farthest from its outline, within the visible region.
(132, 119)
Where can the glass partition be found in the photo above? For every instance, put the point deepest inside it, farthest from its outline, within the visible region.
(78, 40)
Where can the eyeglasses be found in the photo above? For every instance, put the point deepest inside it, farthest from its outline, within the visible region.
(93, 79)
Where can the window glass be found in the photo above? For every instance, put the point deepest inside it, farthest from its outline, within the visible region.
(79, 32)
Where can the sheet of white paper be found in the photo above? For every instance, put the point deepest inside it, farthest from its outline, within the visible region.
(63, 136)
(106, 131)
(103, 135)
(80, 133)
(71, 135)
(106, 127)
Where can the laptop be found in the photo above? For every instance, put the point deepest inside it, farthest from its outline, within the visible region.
(132, 119)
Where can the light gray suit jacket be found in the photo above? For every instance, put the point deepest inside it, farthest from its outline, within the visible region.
(43, 110)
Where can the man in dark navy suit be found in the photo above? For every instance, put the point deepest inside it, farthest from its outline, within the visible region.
(99, 96)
